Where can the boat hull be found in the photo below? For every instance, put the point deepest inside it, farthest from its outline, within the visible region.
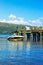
(16, 38)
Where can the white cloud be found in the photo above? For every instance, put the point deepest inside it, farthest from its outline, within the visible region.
(35, 22)
(20, 20)
(11, 16)
(2, 20)
(17, 22)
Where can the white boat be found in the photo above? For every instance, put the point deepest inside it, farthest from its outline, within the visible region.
(16, 38)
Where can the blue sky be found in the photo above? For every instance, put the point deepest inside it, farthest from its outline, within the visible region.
(30, 10)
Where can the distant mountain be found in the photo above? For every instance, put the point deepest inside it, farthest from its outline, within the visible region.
(9, 28)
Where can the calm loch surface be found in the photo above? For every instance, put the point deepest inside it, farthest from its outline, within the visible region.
(20, 53)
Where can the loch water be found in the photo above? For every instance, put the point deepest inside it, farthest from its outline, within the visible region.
(20, 53)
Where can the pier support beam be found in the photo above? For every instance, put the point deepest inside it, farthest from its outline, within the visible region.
(40, 36)
(24, 35)
(31, 37)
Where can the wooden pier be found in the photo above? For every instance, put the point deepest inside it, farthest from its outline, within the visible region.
(32, 35)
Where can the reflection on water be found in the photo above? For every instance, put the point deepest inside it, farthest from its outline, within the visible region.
(20, 53)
